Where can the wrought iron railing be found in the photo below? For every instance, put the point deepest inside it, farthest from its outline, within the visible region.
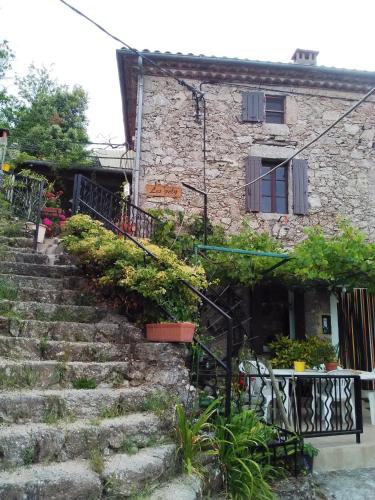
(316, 405)
(25, 196)
(101, 204)
(93, 199)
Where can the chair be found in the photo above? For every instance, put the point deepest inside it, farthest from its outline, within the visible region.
(329, 392)
(260, 387)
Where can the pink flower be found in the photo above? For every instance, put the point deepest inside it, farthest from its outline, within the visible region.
(62, 217)
(47, 222)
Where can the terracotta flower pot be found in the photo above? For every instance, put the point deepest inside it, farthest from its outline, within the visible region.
(332, 365)
(170, 332)
(51, 212)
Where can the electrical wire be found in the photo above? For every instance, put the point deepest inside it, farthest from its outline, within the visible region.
(196, 93)
(310, 143)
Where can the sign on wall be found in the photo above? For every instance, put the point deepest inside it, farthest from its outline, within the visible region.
(165, 190)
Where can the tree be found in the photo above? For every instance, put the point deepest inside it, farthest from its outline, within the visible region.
(6, 57)
(47, 120)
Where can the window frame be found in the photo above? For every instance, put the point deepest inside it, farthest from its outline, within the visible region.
(270, 97)
(271, 164)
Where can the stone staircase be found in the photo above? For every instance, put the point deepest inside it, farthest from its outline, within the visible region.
(86, 405)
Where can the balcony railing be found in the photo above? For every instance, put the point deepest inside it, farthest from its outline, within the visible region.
(316, 405)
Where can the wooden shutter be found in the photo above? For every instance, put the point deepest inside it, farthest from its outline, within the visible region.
(300, 183)
(253, 106)
(253, 169)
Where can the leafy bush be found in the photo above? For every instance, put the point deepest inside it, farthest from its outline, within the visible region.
(242, 449)
(313, 351)
(193, 437)
(117, 262)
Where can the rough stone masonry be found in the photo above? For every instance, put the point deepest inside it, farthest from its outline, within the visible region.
(341, 166)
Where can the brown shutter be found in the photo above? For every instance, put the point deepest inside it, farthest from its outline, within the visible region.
(300, 184)
(253, 106)
(253, 169)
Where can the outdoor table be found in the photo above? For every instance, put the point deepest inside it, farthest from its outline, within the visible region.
(365, 376)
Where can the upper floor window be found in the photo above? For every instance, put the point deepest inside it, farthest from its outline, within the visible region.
(274, 189)
(260, 107)
(270, 194)
(275, 109)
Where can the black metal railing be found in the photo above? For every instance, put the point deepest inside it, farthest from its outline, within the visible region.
(101, 204)
(91, 198)
(25, 196)
(316, 405)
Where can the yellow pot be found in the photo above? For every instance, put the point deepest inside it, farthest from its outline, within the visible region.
(299, 366)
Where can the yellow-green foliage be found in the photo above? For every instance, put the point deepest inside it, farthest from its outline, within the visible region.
(116, 261)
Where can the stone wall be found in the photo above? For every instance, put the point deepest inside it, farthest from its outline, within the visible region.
(341, 169)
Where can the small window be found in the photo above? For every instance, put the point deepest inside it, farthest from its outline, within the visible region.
(275, 109)
(274, 189)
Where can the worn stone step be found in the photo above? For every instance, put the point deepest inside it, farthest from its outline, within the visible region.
(54, 374)
(58, 440)
(25, 257)
(73, 480)
(57, 374)
(129, 475)
(182, 487)
(17, 242)
(37, 269)
(123, 476)
(43, 311)
(16, 348)
(67, 297)
(104, 331)
(26, 406)
(44, 283)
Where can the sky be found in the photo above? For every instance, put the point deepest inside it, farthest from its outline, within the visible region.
(46, 32)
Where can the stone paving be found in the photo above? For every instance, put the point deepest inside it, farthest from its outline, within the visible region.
(358, 484)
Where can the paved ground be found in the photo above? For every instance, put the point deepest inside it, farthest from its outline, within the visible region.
(356, 484)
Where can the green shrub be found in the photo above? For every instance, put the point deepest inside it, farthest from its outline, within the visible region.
(243, 454)
(313, 351)
(116, 262)
(84, 383)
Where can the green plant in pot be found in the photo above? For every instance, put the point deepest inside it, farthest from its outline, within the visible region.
(320, 351)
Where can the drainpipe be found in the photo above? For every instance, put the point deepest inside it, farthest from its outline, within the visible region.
(139, 131)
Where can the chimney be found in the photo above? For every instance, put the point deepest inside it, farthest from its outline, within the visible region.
(305, 57)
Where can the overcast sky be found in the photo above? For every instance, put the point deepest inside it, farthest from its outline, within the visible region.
(47, 32)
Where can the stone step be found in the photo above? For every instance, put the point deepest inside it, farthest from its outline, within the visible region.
(17, 242)
(17, 348)
(59, 440)
(37, 270)
(73, 480)
(67, 297)
(122, 476)
(23, 407)
(25, 257)
(10, 249)
(72, 332)
(182, 487)
(55, 374)
(45, 283)
(130, 475)
(43, 311)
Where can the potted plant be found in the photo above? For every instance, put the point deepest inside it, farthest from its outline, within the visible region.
(306, 458)
(52, 206)
(176, 331)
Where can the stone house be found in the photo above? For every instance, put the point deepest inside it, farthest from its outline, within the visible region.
(253, 115)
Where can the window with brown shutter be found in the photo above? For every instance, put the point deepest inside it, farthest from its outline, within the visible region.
(260, 107)
(274, 188)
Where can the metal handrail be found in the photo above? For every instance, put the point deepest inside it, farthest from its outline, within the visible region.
(227, 364)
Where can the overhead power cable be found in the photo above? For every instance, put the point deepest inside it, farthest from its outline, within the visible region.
(196, 92)
(310, 143)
